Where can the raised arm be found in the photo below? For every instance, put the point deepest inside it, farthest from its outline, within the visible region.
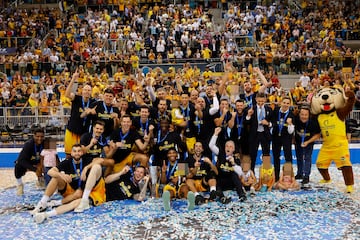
(262, 78)
(150, 89)
(212, 143)
(215, 108)
(68, 92)
(115, 176)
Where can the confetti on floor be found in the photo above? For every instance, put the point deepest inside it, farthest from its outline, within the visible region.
(315, 213)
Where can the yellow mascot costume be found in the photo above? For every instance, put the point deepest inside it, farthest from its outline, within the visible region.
(332, 105)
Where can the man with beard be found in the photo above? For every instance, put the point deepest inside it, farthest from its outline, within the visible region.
(79, 122)
(249, 96)
(106, 112)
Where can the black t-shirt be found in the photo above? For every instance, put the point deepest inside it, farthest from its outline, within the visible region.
(224, 166)
(239, 130)
(224, 134)
(96, 150)
(164, 143)
(140, 127)
(68, 167)
(189, 115)
(157, 117)
(307, 130)
(171, 171)
(204, 126)
(203, 171)
(133, 109)
(249, 100)
(209, 101)
(30, 155)
(77, 124)
(279, 122)
(128, 142)
(103, 113)
(121, 189)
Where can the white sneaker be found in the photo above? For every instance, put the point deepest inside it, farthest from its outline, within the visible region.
(54, 203)
(84, 205)
(252, 191)
(40, 207)
(20, 189)
(40, 217)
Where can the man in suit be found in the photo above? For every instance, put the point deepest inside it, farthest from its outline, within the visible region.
(283, 130)
(259, 119)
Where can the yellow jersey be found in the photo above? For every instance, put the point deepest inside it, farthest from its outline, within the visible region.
(333, 130)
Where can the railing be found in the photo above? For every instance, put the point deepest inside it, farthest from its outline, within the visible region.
(40, 1)
(355, 114)
(16, 124)
(14, 42)
(281, 64)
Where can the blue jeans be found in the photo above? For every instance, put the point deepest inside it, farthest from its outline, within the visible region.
(304, 159)
(47, 178)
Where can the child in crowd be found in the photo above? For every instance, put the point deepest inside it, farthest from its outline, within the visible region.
(49, 157)
(266, 175)
(287, 179)
(248, 178)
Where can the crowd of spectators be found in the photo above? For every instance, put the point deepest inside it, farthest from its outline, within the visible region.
(285, 37)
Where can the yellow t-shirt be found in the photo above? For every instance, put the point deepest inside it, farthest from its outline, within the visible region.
(134, 59)
(333, 130)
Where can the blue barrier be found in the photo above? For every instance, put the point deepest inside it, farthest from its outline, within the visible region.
(9, 155)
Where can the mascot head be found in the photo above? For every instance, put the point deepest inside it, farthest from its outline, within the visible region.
(327, 99)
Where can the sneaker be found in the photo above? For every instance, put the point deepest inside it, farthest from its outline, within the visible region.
(199, 200)
(242, 198)
(84, 205)
(20, 189)
(166, 200)
(220, 194)
(225, 200)
(40, 207)
(40, 217)
(297, 177)
(325, 181)
(191, 200)
(213, 195)
(54, 203)
(252, 192)
(305, 180)
(349, 189)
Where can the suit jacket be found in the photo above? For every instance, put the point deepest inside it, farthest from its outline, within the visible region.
(253, 122)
